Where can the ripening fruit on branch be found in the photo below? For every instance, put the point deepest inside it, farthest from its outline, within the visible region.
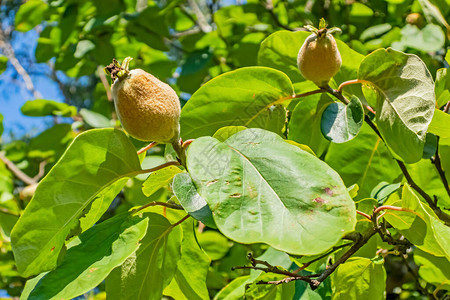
(319, 58)
(148, 109)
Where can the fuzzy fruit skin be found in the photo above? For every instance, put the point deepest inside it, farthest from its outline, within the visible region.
(319, 59)
(148, 108)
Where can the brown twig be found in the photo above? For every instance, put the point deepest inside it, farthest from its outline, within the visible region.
(157, 203)
(10, 54)
(41, 172)
(268, 268)
(365, 238)
(170, 163)
(181, 221)
(201, 19)
(144, 149)
(322, 256)
(105, 83)
(437, 163)
(269, 7)
(16, 171)
(389, 207)
(364, 214)
(439, 213)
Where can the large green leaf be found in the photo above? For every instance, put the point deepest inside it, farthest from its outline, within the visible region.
(159, 179)
(432, 269)
(3, 63)
(262, 189)
(341, 123)
(91, 258)
(186, 192)
(442, 87)
(51, 143)
(405, 100)
(425, 175)
(30, 14)
(364, 161)
(94, 161)
(249, 97)
(145, 274)
(359, 278)
(419, 224)
(42, 108)
(192, 266)
(440, 124)
(305, 122)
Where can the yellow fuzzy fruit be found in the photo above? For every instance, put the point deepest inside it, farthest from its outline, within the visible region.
(319, 58)
(148, 108)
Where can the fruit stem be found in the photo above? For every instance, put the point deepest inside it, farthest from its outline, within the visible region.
(354, 81)
(177, 145)
(149, 146)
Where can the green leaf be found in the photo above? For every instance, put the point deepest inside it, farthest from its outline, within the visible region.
(270, 291)
(94, 119)
(432, 269)
(341, 123)
(419, 224)
(359, 278)
(3, 63)
(383, 190)
(51, 143)
(364, 160)
(91, 258)
(225, 132)
(30, 14)
(159, 179)
(375, 31)
(305, 122)
(442, 86)
(425, 175)
(83, 47)
(145, 274)
(252, 203)
(7, 222)
(431, 38)
(405, 102)
(101, 203)
(193, 265)
(214, 244)
(233, 290)
(186, 192)
(246, 97)
(42, 108)
(94, 161)
(440, 124)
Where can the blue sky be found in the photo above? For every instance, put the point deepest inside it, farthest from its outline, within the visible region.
(13, 93)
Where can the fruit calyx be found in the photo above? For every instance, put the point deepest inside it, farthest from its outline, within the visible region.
(117, 70)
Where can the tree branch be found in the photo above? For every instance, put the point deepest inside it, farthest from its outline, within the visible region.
(201, 19)
(439, 213)
(437, 163)
(157, 203)
(16, 171)
(269, 7)
(365, 238)
(10, 54)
